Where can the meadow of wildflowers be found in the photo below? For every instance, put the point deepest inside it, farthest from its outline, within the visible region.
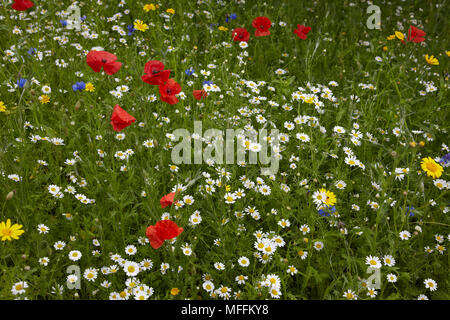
(95, 206)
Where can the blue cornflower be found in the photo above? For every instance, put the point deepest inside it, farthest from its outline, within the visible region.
(445, 160)
(32, 51)
(325, 211)
(63, 22)
(190, 71)
(83, 18)
(130, 29)
(79, 86)
(207, 82)
(232, 16)
(409, 210)
(21, 82)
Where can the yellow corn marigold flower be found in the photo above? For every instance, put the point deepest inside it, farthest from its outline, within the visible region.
(399, 35)
(432, 60)
(44, 99)
(391, 37)
(431, 167)
(174, 291)
(331, 197)
(149, 7)
(222, 28)
(140, 25)
(385, 48)
(171, 11)
(89, 87)
(8, 231)
(2, 106)
(447, 53)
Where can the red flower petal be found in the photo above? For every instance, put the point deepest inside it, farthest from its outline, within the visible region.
(161, 231)
(169, 90)
(152, 66)
(120, 119)
(262, 25)
(169, 99)
(240, 34)
(168, 229)
(199, 94)
(156, 79)
(22, 5)
(98, 59)
(302, 31)
(416, 35)
(167, 200)
(112, 67)
(153, 237)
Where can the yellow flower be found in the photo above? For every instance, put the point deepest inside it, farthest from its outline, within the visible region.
(447, 53)
(331, 198)
(385, 48)
(170, 10)
(399, 35)
(391, 37)
(431, 167)
(140, 25)
(44, 99)
(222, 28)
(227, 188)
(432, 60)
(149, 7)
(2, 106)
(7, 231)
(89, 87)
(174, 291)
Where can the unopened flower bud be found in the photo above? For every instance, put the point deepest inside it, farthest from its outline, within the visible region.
(10, 195)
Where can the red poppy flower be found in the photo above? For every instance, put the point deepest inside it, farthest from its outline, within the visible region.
(302, 31)
(98, 59)
(22, 5)
(240, 34)
(262, 25)
(199, 94)
(167, 200)
(155, 73)
(120, 119)
(161, 231)
(169, 90)
(416, 35)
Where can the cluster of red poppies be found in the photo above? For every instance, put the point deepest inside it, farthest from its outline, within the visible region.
(120, 119)
(262, 26)
(157, 76)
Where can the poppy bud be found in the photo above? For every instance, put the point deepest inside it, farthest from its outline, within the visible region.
(77, 105)
(393, 154)
(10, 195)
